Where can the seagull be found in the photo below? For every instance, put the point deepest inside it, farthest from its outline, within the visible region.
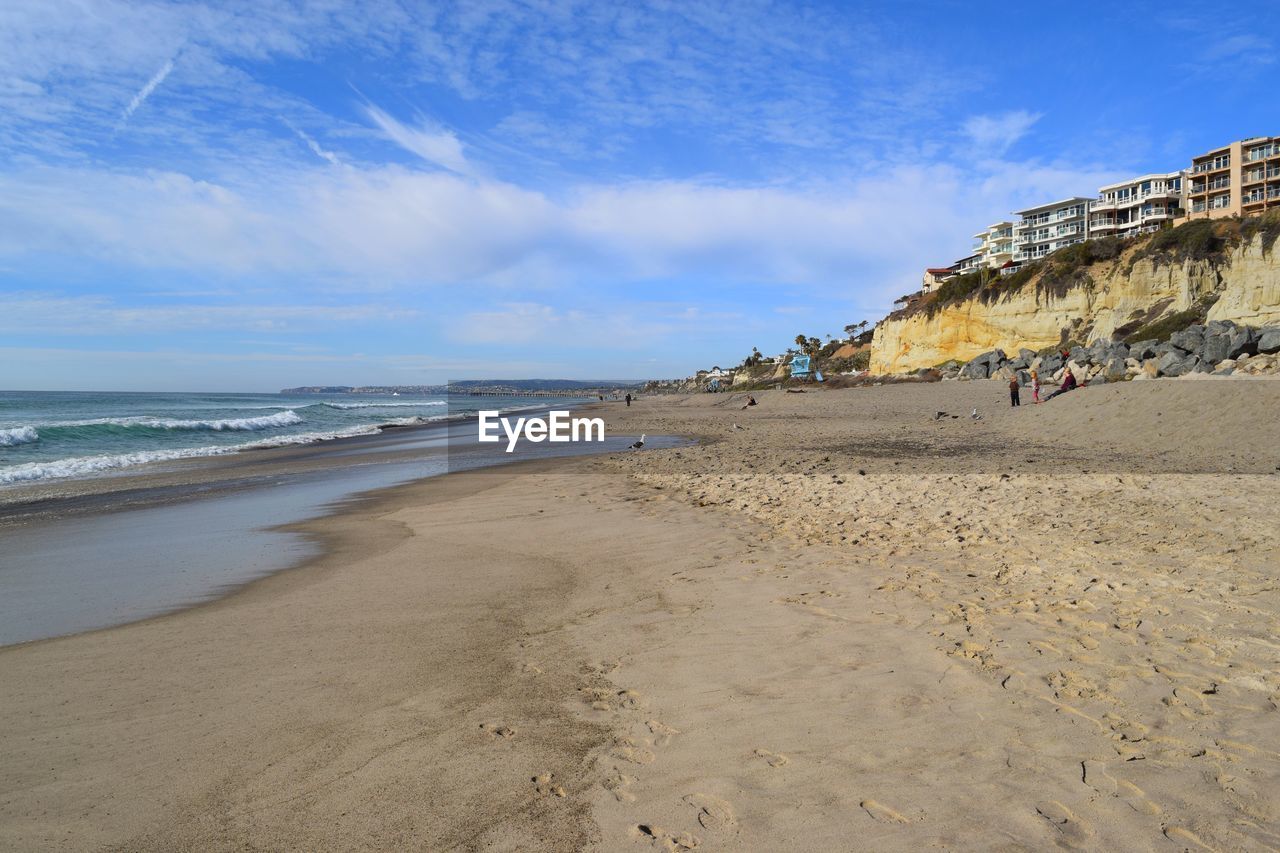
(735, 426)
(636, 445)
(937, 416)
(974, 414)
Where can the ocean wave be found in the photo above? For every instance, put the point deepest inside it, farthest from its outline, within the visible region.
(276, 421)
(367, 405)
(85, 465)
(18, 435)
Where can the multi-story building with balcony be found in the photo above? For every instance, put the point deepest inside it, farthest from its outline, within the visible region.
(1236, 180)
(1260, 174)
(994, 246)
(1049, 227)
(1136, 206)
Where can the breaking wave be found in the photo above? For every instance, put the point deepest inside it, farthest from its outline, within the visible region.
(84, 465)
(18, 435)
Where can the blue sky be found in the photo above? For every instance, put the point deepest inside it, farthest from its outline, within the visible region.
(245, 196)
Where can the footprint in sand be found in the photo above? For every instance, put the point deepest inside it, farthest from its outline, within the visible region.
(714, 813)
(498, 730)
(774, 759)
(882, 813)
(532, 669)
(1096, 775)
(1072, 830)
(661, 838)
(629, 750)
(617, 785)
(544, 785)
(662, 733)
(1188, 839)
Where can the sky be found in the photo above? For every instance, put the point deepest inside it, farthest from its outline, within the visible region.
(248, 196)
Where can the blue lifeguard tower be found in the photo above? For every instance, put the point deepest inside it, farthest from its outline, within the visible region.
(800, 367)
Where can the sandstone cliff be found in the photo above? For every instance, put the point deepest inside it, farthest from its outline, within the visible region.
(1241, 282)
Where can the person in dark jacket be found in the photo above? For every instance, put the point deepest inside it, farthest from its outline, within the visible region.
(1014, 388)
(1068, 384)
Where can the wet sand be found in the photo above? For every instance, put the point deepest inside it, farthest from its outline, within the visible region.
(845, 625)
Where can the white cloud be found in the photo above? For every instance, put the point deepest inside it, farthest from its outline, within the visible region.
(438, 147)
(51, 314)
(310, 142)
(994, 135)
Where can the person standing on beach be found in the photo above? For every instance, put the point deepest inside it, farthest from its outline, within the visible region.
(1035, 387)
(628, 401)
(1014, 391)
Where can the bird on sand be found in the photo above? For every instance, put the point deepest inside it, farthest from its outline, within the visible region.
(636, 445)
(974, 414)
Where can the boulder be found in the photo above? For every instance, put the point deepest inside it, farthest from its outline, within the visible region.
(1080, 355)
(1227, 340)
(1027, 355)
(1268, 339)
(1050, 364)
(1004, 373)
(1216, 348)
(1115, 369)
(975, 369)
(1164, 349)
(1150, 368)
(1175, 364)
(1024, 377)
(1142, 350)
(1190, 339)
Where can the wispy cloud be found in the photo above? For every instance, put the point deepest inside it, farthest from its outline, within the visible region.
(144, 93)
(994, 135)
(438, 147)
(311, 143)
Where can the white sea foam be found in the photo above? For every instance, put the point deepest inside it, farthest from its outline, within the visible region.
(279, 419)
(398, 405)
(18, 435)
(86, 465)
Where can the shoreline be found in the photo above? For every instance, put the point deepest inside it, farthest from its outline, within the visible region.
(843, 621)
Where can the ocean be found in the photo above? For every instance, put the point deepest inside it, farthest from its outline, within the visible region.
(47, 435)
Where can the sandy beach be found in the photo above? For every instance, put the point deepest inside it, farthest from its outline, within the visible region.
(840, 622)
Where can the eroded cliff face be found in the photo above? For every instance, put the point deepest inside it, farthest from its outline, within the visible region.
(1246, 284)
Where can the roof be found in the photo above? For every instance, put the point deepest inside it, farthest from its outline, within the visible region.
(1153, 177)
(939, 270)
(1052, 205)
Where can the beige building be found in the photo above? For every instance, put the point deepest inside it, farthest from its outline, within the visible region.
(994, 246)
(1137, 206)
(1239, 179)
(1047, 228)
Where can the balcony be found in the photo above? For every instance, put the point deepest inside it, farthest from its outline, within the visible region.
(1215, 165)
(1254, 154)
(1198, 207)
(1219, 183)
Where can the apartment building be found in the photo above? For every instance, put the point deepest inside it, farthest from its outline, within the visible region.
(994, 247)
(1136, 206)
(1239, 179)
(1049, 227)
(1260, 174)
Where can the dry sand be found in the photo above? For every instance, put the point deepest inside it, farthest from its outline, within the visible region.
(845, 625)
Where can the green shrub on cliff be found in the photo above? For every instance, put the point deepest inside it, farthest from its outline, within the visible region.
(1268, 225)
